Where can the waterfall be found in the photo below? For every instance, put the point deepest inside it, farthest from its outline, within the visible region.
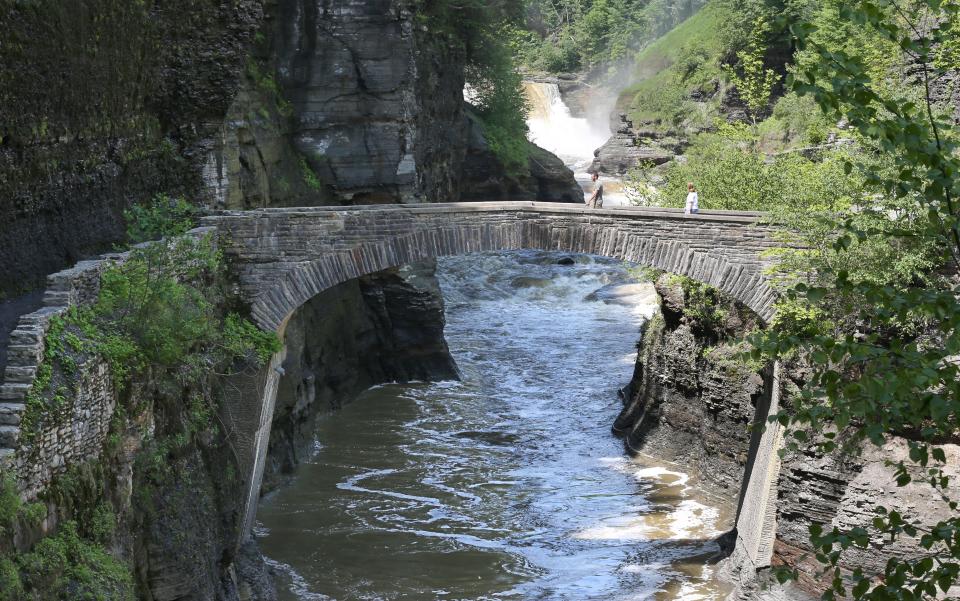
(571, 138)
(553, 127)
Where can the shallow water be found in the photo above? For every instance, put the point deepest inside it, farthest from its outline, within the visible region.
(508, 484)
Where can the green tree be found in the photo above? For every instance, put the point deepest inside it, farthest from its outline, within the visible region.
(884, 362)
(753, 80)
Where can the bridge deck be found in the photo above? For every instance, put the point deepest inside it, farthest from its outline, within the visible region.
(495, 207)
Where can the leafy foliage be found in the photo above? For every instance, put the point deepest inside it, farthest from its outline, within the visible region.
(689, 70)
(565, 35)
(483, 33)
(67, 566)
(163, 217)
(752, 79)
(885, 363)
(163, 314)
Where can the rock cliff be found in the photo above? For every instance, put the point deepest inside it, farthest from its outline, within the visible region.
(383, 328)
(692, 400)
(93, 120)
(246, 103)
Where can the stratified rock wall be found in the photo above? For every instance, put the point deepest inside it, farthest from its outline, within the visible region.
(383, 328)
(691, 400)
(103, 104)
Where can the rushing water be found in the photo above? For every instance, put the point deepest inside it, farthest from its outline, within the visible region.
(552, 126)
(507, 484)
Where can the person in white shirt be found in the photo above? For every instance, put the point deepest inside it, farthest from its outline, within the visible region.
(693, 200)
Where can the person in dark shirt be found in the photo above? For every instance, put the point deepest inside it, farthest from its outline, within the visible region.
(596, 200)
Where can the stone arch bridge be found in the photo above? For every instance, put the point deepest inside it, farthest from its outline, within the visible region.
(287, 256)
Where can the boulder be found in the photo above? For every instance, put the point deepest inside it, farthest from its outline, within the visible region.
(622, 153)
(486, 179)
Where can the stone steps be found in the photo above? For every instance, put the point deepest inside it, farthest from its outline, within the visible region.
(10, 413)
(9, 435)
(14, 392)
(19, 374)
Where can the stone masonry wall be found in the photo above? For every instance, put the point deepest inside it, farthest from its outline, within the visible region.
(287, 256)
(76, 430)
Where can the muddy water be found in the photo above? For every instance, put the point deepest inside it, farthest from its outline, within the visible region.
(507, 484)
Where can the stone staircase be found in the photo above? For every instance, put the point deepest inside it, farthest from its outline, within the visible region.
(26, 346)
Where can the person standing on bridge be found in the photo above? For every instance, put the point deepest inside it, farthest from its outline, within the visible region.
(596, 200)
(693, 200)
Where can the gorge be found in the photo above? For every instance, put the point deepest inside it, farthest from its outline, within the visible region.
(288, 315)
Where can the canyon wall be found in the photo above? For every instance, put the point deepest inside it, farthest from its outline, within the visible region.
(692, 400)
(383, 328)
(240, 104)
(103, 105)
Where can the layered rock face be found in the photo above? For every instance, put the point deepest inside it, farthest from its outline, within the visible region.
(377, 107)
(366, 107)
(845, 491)
(629, 147)
(484, 178)
(93, 120)
(383, 328)
(691, 400)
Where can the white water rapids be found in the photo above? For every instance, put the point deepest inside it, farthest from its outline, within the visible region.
(508, 484)
(553, 127)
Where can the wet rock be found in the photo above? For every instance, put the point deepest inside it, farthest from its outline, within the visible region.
(567, 261)
(529, 282)
(486, 179)
(383, 328)
(254, 581)
(490, 437)
(691, 399)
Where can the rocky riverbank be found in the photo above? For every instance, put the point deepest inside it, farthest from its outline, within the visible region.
(692, 400)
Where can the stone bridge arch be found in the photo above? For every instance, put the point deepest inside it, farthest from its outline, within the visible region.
(287, 256)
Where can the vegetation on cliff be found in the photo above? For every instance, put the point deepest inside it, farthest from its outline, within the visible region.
(870, 302)
(569, 35)
(856, 154)
(481, 30)
(883, 350)
(164, 320)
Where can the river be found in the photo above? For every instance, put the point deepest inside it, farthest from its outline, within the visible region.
(507, 484)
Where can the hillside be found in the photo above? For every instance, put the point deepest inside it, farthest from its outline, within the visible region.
(679, 73)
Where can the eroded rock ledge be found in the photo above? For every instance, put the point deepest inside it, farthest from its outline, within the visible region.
(383, 328)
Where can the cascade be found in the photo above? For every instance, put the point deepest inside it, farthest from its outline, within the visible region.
(552, 126)
(573, 139)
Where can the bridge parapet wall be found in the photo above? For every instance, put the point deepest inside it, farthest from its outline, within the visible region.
(76, 430)
(287, 256)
